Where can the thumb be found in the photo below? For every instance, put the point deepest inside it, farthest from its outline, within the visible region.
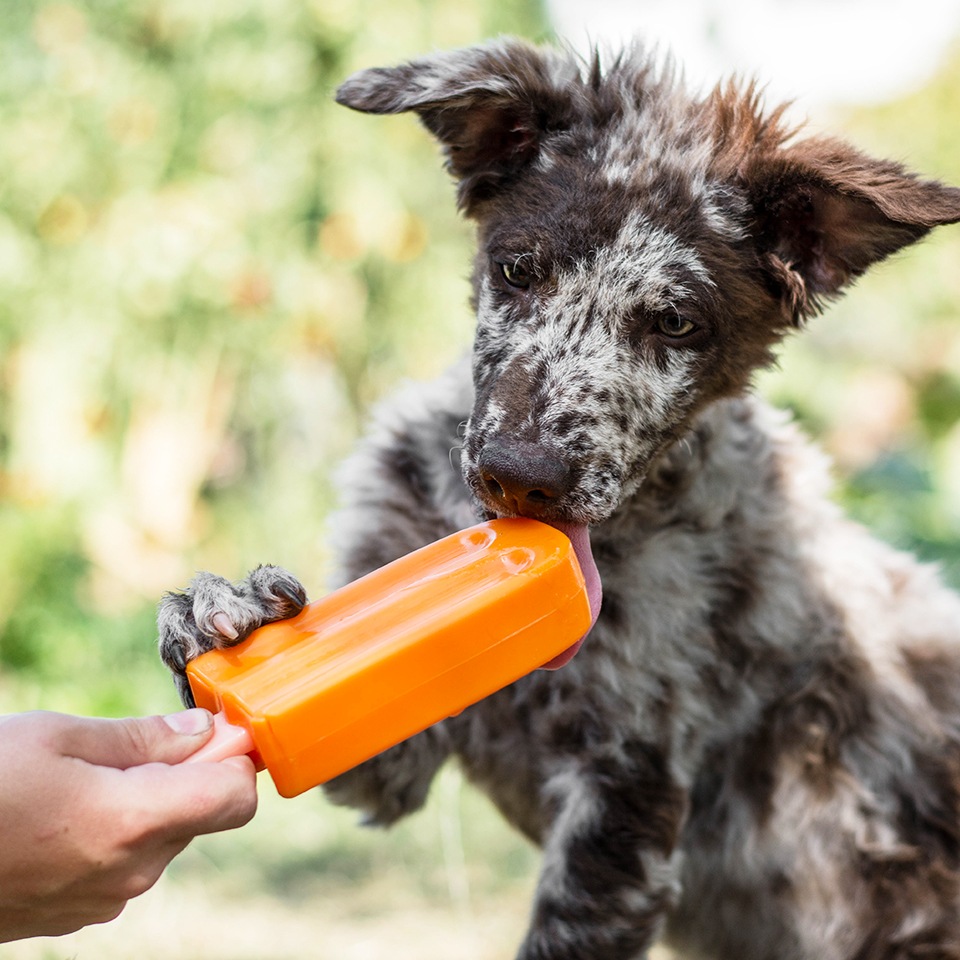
(137, 740)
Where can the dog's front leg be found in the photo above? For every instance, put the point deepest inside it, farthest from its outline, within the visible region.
(397, 781)
(609, 873)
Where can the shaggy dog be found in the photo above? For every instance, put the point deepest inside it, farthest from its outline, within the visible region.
(756, 752)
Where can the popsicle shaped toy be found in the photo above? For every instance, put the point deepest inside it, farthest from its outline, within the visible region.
(395, 651)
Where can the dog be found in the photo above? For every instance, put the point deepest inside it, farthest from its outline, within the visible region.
(755, 754)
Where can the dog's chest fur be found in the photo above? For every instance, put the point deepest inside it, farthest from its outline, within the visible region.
(726, 661)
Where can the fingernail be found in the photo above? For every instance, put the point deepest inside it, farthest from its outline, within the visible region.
(189, 722)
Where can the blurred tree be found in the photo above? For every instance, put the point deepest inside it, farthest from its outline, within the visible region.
(208, 270)
(878, 376)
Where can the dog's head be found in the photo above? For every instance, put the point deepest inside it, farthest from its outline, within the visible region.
(640, 253)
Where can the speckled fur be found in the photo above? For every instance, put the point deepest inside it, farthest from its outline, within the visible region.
(756, 754)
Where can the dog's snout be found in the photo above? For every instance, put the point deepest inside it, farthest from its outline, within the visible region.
(523, 477)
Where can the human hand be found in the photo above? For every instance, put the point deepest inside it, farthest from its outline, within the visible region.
(92, 810)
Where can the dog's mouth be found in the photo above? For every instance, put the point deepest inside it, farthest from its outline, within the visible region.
(512, 478)
(579, 536)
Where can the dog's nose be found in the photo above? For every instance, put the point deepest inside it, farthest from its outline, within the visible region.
(523, 477)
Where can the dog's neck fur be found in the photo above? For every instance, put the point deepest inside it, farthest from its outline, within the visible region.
(719, 505)
(698, 481)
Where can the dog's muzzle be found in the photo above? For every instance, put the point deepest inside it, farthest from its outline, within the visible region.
(523, 478)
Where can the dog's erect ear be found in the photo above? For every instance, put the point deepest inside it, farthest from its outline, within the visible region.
(490, 106)
(825, 212)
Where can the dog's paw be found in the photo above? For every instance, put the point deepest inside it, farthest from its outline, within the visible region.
(213, 612)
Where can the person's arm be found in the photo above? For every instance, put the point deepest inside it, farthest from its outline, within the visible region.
(92, 810)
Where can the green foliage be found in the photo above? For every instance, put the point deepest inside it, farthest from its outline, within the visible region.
(877, 378)
(208, 271)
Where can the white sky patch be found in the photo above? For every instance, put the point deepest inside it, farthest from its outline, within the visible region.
(813, 51)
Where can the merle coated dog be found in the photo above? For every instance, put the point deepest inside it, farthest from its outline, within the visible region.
(756, 752)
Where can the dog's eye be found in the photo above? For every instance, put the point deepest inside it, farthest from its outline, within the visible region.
(516, 274)
(674, 325)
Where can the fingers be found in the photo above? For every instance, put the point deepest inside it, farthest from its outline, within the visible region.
(90, 819)
(159, 794)
(187, 800)
(54, 919)
(135, 740)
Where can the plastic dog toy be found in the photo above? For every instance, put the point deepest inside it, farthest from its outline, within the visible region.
(392, 653)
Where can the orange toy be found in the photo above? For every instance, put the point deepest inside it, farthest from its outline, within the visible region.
(394, 652)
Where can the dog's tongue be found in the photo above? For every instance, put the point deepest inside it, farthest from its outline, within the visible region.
(579, 535)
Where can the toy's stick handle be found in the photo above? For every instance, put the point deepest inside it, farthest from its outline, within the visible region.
(228, 740)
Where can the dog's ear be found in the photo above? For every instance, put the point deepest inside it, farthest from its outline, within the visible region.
(491, 106)
(825, 212)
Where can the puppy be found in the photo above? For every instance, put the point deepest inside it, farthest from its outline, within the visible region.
(756, 752)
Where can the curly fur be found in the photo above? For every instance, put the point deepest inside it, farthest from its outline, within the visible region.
(756, 753)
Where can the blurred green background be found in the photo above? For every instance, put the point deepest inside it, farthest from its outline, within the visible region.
(208, 272)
